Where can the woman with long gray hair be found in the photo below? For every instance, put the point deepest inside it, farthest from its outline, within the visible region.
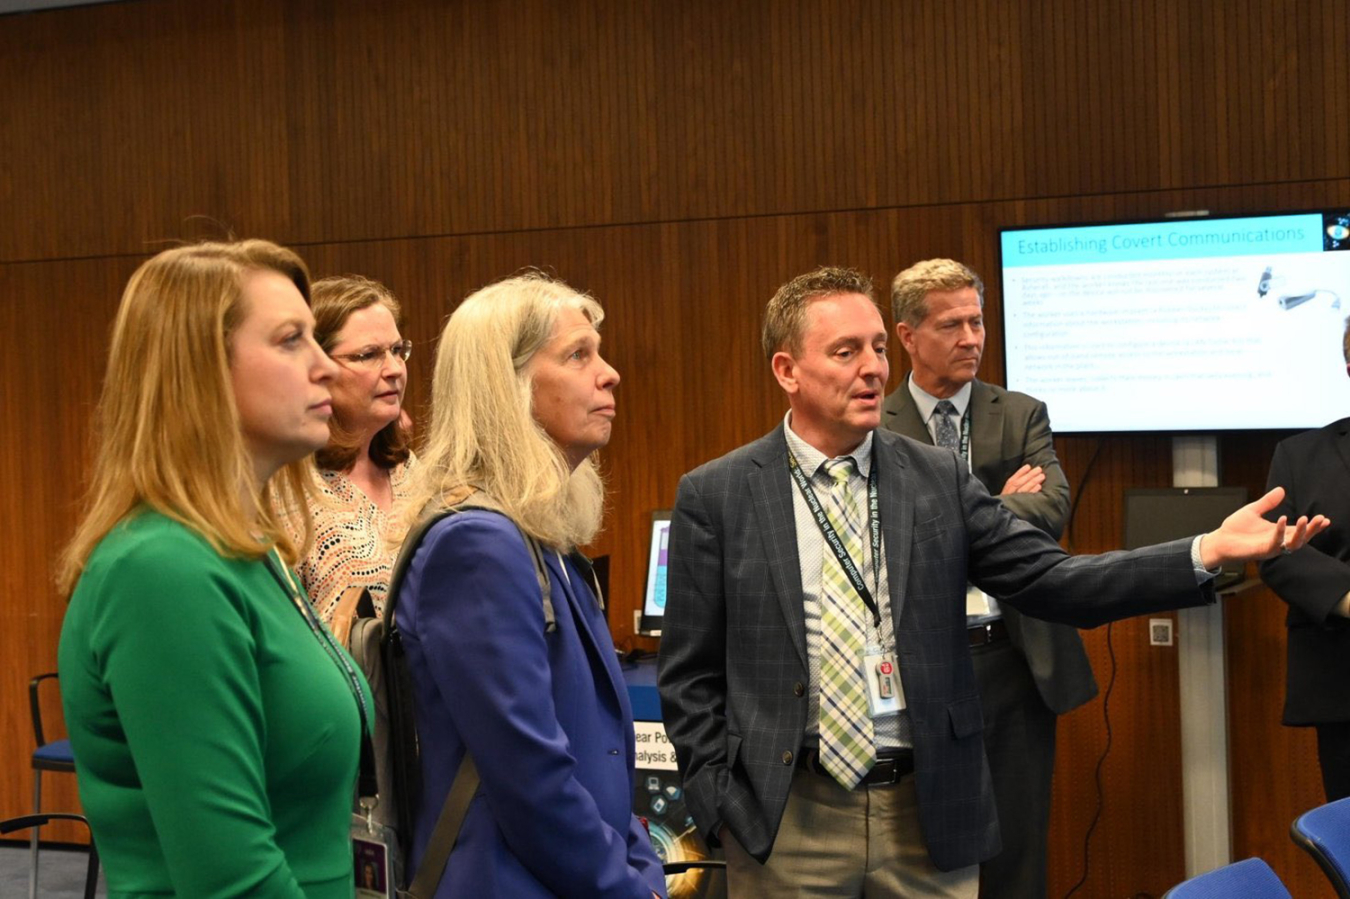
(521, 400)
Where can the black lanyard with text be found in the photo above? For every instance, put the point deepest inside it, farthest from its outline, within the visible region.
(282, 574)
(832, 537)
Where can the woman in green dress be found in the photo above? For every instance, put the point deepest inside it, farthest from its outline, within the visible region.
(216, 725)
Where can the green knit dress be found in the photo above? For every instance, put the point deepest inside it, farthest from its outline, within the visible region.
(216, 740)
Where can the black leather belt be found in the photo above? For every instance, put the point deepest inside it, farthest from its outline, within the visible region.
(982, 634)
(889, 768)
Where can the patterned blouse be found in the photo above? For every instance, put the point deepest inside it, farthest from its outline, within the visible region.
(348, 545)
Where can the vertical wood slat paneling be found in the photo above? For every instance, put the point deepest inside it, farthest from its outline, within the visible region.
(1137, 845)
(346, 121)
(867, 133)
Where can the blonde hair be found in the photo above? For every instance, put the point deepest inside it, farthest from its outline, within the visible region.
(910, 289)
(167, 427)
(483, 434)
(334, 300)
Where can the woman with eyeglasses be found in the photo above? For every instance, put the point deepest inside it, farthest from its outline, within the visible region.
(364, 467)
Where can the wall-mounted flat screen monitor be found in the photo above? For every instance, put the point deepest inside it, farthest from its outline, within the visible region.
(1159, 514)
(1185, 324)
(654, 601)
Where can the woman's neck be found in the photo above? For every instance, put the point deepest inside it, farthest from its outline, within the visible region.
(251, 490)
(372, 480)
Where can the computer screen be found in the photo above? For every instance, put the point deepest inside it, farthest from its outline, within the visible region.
(1173, 325)
(1157, 515)
(654, 601)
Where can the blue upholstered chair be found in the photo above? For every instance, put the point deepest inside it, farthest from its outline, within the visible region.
(1247, 879)
(53, 756)
(1324, 833)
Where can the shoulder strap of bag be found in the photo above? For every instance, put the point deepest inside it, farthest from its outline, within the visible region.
(432, 513)
(465, 785)
(446, 832)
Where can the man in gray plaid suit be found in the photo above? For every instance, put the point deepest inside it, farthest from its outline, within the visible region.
(831, 539)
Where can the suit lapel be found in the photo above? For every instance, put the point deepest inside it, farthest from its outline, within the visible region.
(1343, 444)
(986, 435)
(771, 493)
(896, 491)
(597, 649)
(902, 416)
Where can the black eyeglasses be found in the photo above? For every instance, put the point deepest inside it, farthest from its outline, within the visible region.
(374, 357)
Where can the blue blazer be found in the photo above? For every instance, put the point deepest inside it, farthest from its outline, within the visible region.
(546, 717)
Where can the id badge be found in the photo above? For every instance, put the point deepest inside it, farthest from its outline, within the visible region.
(374, 851)
(884, 694)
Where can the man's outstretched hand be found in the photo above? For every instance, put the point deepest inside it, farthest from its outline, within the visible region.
(1246, 535)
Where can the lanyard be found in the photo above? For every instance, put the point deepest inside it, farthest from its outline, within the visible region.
(832, 537)
(283, 577)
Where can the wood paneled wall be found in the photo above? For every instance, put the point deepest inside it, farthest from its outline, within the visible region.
(679, 161)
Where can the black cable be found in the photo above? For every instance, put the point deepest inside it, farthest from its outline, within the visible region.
(1101, 763)
(1110, 684)
(1078, 494)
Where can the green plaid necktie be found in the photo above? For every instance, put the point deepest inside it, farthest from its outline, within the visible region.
(847, 744)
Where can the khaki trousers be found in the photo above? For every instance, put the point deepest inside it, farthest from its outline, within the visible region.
(846, 843)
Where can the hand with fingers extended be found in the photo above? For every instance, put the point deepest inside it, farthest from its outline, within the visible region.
(1024, 480)
(1246, 535)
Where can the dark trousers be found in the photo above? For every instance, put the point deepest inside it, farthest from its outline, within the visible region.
(1333, 755)
(1019, 739)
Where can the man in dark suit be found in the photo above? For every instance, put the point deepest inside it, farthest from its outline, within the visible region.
(1316, 584)
(1028, 671)
(824, 712)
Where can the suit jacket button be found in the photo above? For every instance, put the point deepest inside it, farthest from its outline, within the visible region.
(798, 689)
(787, 758)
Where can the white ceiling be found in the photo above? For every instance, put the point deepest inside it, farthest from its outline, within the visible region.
(11, 6)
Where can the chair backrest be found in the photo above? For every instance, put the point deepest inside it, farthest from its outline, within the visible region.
(35, 705)
(1324, 833)
(1248, 879)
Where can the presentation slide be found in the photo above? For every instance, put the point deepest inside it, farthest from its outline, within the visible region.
(1181, 325)
(654, 603)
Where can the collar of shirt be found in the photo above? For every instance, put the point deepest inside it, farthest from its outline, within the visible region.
(927, 403)
(810, 458)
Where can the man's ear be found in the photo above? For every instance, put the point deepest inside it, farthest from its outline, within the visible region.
(785, 370)
(906, 335)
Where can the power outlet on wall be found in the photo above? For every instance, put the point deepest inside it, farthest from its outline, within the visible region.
(1160, 632)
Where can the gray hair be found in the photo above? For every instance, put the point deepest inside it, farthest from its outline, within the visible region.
(911, 287)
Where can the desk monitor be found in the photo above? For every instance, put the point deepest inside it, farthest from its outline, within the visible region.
(654, 600)
(1156, 515)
